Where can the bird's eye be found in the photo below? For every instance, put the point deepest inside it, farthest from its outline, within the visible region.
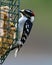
(28, 10)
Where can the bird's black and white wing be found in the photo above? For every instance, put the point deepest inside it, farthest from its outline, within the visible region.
(26, 30)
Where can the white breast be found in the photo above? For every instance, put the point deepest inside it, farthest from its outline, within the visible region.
(22, 20)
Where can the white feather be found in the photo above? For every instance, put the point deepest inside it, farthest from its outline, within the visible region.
(32, 18)
(16, 52)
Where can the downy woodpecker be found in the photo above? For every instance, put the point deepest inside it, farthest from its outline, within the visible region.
(24, 26)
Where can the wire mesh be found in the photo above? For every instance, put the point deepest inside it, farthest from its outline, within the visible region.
(9, 15)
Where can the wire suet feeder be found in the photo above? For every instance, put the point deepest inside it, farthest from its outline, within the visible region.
(9, 15)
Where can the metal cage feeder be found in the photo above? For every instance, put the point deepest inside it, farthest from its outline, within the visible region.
(9, 15)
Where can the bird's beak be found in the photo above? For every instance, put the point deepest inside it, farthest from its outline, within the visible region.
(21, 11)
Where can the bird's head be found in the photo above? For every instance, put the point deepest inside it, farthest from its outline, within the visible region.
(27, 13)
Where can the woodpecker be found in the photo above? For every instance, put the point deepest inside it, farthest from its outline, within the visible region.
(25, 24)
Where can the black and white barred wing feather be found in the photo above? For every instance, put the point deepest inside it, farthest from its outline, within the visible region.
(26, 30)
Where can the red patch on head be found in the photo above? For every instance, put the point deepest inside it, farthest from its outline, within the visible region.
(33, 14)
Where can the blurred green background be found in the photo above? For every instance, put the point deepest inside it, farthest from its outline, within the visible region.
(43, 12)
(43, 19)
(41, 34)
